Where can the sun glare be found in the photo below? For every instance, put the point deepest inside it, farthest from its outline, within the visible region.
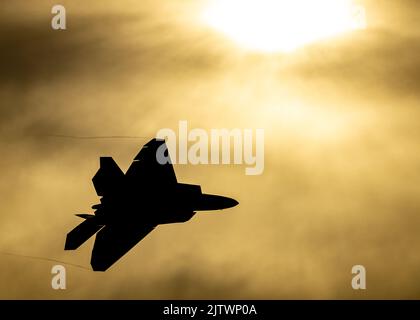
(282, 25)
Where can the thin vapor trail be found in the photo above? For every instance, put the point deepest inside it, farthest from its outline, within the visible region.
(92, 137)
(43, 258)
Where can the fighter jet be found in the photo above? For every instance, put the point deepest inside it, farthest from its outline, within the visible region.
(134, 203)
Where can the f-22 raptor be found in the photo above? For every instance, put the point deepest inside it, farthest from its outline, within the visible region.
(134, 203)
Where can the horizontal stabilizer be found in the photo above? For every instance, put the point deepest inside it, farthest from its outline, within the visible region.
(85, 216)
(81, 234)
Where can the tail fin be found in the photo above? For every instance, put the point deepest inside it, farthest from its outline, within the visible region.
(108, 177)
(81, 234)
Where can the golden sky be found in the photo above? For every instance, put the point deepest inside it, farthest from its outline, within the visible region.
(342, 160)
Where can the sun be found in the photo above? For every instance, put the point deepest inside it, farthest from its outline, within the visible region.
(282, 25)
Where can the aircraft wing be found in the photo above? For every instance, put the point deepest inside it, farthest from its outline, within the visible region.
(114, 241)
(146, 168)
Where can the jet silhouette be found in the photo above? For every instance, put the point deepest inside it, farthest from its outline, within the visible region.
(134, 203)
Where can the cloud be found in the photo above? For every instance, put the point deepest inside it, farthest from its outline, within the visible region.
(375, 61)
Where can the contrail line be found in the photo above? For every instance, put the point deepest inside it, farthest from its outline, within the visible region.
(43, 258)
(92, 137)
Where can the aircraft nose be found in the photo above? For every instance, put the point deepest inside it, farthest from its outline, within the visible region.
(230, 203)
(215, 202)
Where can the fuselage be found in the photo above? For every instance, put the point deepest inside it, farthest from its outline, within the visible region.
(176, 204)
